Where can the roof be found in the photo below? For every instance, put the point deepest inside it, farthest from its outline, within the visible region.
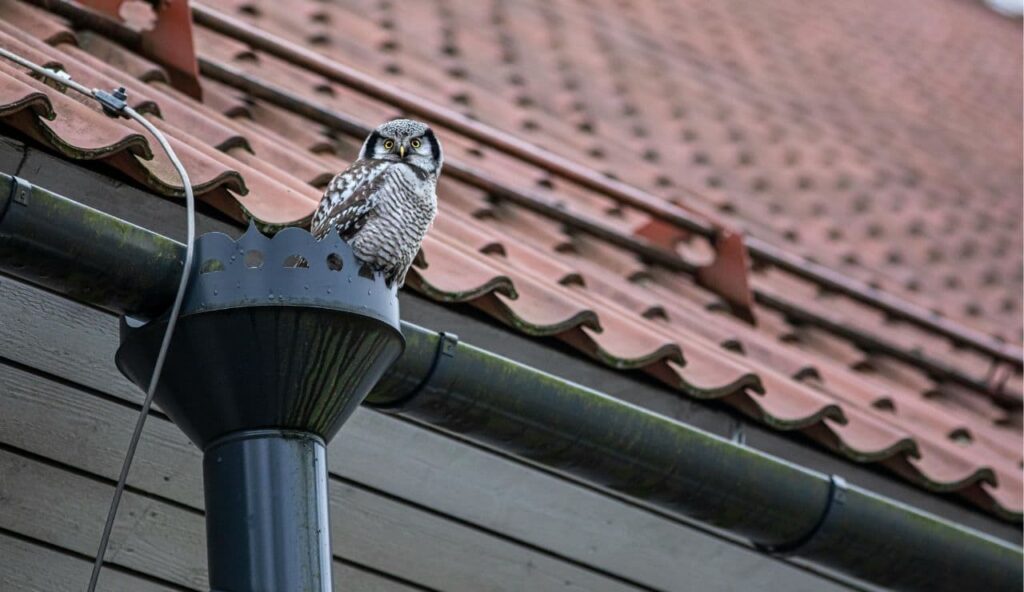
(758, 107)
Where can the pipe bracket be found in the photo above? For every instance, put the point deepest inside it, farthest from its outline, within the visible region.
(447, 344)
(836, 499)
(19, 194)
(21, 191)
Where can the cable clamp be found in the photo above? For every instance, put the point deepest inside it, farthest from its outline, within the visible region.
(837, 493)
(113, 102)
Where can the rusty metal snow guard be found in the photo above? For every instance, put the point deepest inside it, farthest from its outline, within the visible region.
(778, 506)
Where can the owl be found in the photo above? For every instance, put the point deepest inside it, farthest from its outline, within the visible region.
(385, 202)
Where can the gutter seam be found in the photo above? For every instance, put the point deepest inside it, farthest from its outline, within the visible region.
(836, 498)
(444, 353)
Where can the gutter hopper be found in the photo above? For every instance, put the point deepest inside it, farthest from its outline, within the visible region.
(279, 340)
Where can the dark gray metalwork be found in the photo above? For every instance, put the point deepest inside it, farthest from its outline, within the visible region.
(284, 332)
(591, 435)
(780, 507)
(250, 475)
(72, 249)
(293, 269)
(493, 400)
(278, 342)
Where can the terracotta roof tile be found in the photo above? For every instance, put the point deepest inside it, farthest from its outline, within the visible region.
(454, 275)
(120, 59)
(735, 106)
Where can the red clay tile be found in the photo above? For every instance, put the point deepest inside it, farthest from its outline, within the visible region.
(782, 145)
(454, 276)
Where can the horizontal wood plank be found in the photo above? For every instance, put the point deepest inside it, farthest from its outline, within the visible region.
(28, 567)
(408, 462)
(366, 527)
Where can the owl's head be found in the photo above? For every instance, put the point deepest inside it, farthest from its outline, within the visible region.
(405, 140)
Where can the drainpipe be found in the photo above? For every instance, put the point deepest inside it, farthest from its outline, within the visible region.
(278, 342)
(783, 509)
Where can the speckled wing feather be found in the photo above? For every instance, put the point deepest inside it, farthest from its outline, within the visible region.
(348, 199)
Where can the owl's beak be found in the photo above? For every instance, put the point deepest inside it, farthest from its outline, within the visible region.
(401, 151)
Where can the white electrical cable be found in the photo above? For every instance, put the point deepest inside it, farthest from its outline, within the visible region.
(60, 77)
(164, 345)
(126, 111)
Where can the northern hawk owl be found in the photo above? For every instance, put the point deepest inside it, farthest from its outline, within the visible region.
(385, 202)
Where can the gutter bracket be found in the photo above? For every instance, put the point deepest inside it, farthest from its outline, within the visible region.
(447, 344)
(21, 191)
(19, 194)
(836, 499)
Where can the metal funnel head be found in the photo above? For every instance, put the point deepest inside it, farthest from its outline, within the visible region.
(282, 333)
(278, 342)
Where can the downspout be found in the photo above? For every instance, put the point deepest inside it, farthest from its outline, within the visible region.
(782, 508)
(278, 342)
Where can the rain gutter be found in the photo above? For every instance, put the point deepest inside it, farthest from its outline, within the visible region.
(783, 509)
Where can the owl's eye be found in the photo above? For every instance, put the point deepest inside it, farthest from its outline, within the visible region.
(389, 144)
(416, 143)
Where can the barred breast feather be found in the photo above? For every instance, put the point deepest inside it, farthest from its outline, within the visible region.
(383, 209)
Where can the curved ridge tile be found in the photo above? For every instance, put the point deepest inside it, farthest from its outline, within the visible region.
(789, 405)
(121, 59)
(16, 96)
(36, 22)
(309, 168)
(538, 309)
(711, 382)
(622, 346)
(73, 133)
(938, 469)
(184, 113)
(466, 230)
(158, 173)
(562, 317)
(863, 438)
(455, 277)
(1006, 500)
